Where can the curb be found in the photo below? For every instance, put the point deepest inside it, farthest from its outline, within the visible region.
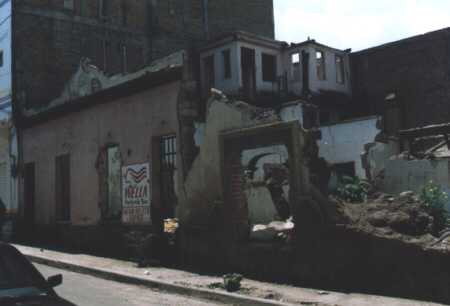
(206, 294)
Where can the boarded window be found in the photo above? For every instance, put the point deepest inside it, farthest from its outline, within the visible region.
(269, 67)
(320, 63)
(340, 70)
(114, 165)
(226, 55)
(62, 187)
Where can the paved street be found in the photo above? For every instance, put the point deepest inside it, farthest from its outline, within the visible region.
(84, 290)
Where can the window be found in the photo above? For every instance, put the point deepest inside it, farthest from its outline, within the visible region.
(296, 67)
(123, 55)
(269, 67)
(340, 70)
(113, 168)
(103, 8)
(68, 4)
(320, 63)
(168, 162)
(226, 64)
(62, 187)
(1, 58)
(209, 73)
(344, 169)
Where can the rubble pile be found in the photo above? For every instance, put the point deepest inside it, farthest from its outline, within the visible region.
(403, 217)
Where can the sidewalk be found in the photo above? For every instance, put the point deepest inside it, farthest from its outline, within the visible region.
(186, 283)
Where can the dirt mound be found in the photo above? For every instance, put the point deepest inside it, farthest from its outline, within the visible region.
(403, 217)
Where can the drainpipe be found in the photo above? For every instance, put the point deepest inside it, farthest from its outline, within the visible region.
(205, 19)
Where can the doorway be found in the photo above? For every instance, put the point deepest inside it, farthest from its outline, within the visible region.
(248, 73)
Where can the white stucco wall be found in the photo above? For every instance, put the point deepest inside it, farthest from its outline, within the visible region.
(231, 85)
(260, 84)
(344, 142)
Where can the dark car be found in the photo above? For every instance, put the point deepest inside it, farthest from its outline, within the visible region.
(21, 284)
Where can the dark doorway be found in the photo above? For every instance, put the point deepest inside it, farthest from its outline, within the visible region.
(248, 73)
(29, 195)
(62, 187)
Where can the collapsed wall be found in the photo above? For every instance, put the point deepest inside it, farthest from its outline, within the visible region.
(382, 247)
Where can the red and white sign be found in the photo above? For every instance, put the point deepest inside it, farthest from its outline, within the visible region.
(136, 194)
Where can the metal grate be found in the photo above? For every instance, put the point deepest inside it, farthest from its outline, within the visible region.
(168, 149)
(168, 152)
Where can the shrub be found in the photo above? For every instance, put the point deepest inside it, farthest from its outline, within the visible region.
(435, 200)
(352, 189)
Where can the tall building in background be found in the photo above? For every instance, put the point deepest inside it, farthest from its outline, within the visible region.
(118, 36)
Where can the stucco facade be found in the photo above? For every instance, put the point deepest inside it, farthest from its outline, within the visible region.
(131, 122)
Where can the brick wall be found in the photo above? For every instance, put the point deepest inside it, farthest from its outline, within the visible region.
(51, 36)
(416, 69)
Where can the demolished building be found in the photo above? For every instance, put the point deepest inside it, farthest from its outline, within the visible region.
(238, 139)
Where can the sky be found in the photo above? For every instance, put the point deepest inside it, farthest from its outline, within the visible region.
(358, 24)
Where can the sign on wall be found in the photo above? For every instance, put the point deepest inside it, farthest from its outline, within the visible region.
(136, 195)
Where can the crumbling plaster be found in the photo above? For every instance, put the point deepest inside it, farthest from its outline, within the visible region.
(196, 205)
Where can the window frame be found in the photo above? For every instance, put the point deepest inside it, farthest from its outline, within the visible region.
(340, 69)
(321, 71)
(296, 66)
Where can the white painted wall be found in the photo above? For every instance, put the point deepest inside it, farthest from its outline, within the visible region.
(231, 85)
(344, 142)
(260, 84)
